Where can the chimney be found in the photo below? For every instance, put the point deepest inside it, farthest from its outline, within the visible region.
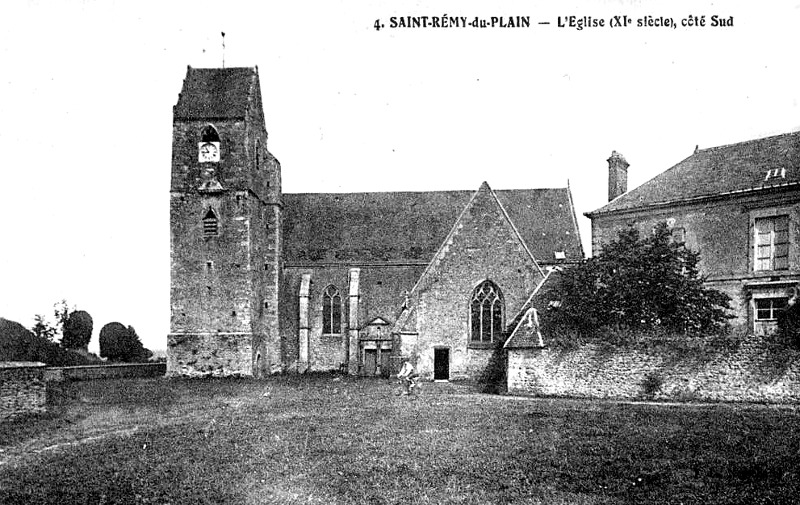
(617, 175)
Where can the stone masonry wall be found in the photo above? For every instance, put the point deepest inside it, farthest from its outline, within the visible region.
(210, 354)
(756, 372)
(109, 371)
(22, 389)
(381, 291)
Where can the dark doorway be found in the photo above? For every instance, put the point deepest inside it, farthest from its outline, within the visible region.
(441, 364)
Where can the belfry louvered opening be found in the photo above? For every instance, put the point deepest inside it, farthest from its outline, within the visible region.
(210, 224)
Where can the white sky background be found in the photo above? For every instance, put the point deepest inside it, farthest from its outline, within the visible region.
(87, 89)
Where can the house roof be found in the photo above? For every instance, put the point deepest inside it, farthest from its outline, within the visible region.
(410, 226)
(770, 162)
(216, 93)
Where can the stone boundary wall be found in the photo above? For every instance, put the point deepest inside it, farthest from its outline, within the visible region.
(755, 372)
(23, 389)
(110, 371)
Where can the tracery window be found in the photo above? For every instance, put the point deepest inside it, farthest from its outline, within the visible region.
(331, 311)
(486, 313)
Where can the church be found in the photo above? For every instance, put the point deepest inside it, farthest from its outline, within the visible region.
(264, 281)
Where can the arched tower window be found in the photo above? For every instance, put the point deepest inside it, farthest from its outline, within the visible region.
(209, 134)
(331, 311)
(208, 147)
(210, 224)
(486, 313)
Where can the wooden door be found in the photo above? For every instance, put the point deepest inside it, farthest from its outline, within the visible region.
(370, 361)
(385, 355)
(441, 364)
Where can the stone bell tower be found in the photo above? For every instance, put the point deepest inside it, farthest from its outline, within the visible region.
(225, 229)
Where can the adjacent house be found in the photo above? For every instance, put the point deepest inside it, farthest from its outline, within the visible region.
(738, 205)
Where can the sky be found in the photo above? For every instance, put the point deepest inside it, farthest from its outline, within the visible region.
(87, 89)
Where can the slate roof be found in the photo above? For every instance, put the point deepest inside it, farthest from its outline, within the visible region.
(410, 226)
(719, 170)
(526, 331)
(216, 93)
(526, 334)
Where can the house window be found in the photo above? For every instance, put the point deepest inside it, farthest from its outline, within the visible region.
(767, 309)
(331, 311)
(210, 224)
(486, 314)
(772, 243)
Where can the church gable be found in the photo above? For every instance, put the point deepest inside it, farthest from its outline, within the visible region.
(483, 244)
(480, 277)
(481, 235)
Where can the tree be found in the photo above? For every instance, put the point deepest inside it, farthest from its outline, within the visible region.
(640, 283)
(77, 330)
(43, 329)
(19, 344)
(789, 321)
(61, 313)
(118, 343)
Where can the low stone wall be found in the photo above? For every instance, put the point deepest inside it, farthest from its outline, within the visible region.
(110, 371)
(755, 372)
(22, 388)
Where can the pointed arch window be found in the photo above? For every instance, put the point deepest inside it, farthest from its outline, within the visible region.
(331, 311)
(486, 314)
(208, 147)
(210, 224)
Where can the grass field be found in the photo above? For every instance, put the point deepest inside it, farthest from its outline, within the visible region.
(340, 440)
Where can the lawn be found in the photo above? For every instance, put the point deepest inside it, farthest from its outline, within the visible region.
(329, 440)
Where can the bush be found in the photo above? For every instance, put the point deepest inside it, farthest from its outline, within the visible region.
(77, 330)
(19, 344)
(118, 343)
(789, 322)
(640, 284)
(652, 384)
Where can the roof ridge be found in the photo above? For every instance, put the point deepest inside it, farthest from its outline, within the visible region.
(759, 139)
(426, 191)
(693, 178)
(254, 67)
